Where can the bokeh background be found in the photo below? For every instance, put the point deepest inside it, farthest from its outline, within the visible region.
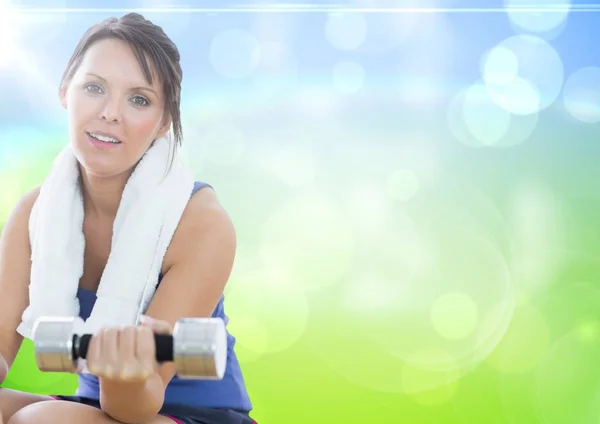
(414, 184)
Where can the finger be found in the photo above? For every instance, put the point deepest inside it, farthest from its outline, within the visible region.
(158, 326)
(127, 353)
(94, 355)
(146, 350)
(110, 352)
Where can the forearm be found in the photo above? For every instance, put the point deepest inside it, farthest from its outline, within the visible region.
(132, 402)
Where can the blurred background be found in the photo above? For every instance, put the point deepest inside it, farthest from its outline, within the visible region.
(414, 186)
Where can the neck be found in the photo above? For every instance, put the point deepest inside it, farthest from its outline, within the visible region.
(102, 196)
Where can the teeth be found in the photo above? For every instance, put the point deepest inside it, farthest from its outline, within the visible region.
(105, 139)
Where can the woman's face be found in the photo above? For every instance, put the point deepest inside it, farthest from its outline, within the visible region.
(114, 115)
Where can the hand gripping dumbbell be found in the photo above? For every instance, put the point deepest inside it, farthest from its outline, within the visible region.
(198, 346)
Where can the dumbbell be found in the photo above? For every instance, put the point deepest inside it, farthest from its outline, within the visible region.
(198, 346)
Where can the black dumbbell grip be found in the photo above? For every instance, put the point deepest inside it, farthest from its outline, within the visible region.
(163, 343)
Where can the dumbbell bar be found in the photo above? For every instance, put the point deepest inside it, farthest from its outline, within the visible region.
(198, 346)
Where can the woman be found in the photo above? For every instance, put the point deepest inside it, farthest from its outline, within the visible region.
(121, 90)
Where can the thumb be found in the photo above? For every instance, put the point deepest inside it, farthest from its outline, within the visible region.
(157, 326)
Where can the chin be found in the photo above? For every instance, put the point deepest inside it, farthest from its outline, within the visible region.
(100, 170)
(98, 164)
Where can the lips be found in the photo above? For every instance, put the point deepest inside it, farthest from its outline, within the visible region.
(104, 137)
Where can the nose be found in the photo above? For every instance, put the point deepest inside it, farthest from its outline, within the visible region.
(111, 111)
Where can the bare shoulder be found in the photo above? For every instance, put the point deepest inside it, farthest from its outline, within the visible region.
(205, 224)
(27, 200)
(31, 196)
(205, 210)
(19, 217)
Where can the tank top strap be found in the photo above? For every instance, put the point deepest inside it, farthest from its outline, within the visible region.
(199, 185)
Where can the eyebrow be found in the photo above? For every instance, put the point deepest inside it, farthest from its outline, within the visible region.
(134, 88)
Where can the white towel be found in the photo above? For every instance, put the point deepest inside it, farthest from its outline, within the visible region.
(149, 212)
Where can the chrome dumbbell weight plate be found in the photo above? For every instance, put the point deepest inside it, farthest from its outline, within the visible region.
(198, 346)
(54, 340)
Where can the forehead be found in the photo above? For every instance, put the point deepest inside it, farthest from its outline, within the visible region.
(115, 61)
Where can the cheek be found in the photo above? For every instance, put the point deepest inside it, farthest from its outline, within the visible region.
(142, 125)
(80, 108)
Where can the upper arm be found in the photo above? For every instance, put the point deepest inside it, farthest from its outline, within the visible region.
(15, 266)
(199, 261)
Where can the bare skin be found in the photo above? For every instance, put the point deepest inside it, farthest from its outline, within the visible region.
(57, 412)
(195, 271)
(14, 279)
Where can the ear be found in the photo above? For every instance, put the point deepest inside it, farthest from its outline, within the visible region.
(63, 96)
(164, 128)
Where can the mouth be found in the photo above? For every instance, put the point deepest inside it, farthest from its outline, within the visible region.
(103, 138)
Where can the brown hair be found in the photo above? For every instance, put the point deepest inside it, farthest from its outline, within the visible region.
(147, 40)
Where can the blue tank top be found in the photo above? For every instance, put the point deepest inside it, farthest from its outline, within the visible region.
(229, 392)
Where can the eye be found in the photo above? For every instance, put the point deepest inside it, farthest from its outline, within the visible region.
(140, 101)
(93, 88)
